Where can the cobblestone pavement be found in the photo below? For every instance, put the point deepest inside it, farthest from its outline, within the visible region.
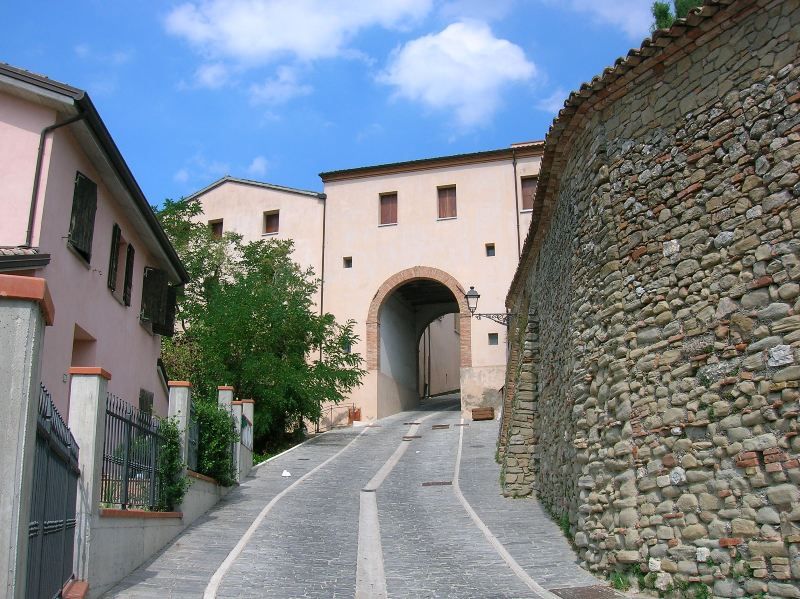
(307, 545)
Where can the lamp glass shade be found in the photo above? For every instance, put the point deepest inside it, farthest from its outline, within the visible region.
(472, 299)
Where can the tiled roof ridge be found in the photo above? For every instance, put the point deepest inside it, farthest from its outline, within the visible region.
(661, 44)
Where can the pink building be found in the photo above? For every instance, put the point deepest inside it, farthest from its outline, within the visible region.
(73, 214)
(397, 246)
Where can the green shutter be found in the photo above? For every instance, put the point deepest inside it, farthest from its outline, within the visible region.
(126, 290)
(167, 326)
(113, 260)
(84, 207)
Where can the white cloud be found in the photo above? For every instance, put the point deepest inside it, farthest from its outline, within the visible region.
(200, 169)
(181, 175)
(476, 9)
(631, 16)
(115, 58)
(281, 88)
(259, 31)
(258, 167)
(554, 102)
(463, 68)
(212, 75)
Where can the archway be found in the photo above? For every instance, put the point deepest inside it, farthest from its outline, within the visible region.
(404, 305)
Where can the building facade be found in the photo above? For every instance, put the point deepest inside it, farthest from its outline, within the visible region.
(396, 247)
(74, 215)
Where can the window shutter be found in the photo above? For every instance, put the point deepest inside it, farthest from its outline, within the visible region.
(113, 260)
(146, 401)
(84, 207)
(271, 222)
(126, 290)
(447, 202)
(529, 185)
(167, 326)
(389, 209)
(153, 295)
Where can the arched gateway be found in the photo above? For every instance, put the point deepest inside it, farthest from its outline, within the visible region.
(401, 309)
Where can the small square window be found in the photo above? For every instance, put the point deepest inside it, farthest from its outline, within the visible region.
(447, 202)
(529, 185)
(216, 228)
(493, 339)
(490, 249)
(347, 347)
(271, 222)
(347, 262)
(388, 214)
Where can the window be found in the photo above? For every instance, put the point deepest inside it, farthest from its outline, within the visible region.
(271, 222)
(121, 289)
(81, 222)
(158, 302)
(216, 228)
(529, 185)
(490, 249)
(146, 401)
(447, 202)
(347, 262)
(347, 347)
(493, 339)
(388, 209)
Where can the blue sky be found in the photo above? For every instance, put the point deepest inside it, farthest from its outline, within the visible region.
(280, 90)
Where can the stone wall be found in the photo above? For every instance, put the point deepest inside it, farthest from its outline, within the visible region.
(663, 277)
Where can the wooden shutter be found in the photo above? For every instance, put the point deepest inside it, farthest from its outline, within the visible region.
(389, 209)
(271, 222)
(84, 207)
(113, 260)
(166, 326)
(153, 295)
(447, 202)
(146, 401)
(529, 185)
(126, 290)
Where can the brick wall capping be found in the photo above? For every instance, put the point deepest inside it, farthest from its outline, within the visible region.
(237, 402)
(90, 371)
(114, 513)
(248, 401)
(75, 589)
(179, 384)
(198, 476)
(29, 288)
(224, 388)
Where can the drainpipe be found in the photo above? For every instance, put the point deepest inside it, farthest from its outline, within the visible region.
(324, 198)
(38, 172)
(516, 199)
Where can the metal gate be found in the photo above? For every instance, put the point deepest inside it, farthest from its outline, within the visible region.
(51, 530)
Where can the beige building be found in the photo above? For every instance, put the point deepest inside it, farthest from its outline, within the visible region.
(397, 246)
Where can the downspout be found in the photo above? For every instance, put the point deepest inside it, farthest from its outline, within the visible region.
(516, 200)
(38, 172)
(324, 198)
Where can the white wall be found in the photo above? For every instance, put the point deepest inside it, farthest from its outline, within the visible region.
(441, 339)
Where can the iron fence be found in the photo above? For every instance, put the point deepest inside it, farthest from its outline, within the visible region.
(194, 438)
(247, 433)
(131, 450)
(51, 529)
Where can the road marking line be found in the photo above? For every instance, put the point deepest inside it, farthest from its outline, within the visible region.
(493, 540)
(216, 579)
(370, 575)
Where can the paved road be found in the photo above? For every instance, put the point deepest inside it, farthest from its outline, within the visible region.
(365, 521)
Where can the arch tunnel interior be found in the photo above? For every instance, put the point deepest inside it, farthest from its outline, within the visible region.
(412, 353)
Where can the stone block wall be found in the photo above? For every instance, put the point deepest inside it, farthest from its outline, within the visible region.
(665, 279)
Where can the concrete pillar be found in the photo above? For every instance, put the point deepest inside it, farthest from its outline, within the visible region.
(87, 420)
(25, 309)
(180, 401)
(248, 408)
(236, 412)
(225, 397)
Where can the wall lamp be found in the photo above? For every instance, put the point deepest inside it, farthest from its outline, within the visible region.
(472, 297)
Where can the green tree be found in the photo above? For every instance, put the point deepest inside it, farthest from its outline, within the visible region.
(663, 15)
(249, 321)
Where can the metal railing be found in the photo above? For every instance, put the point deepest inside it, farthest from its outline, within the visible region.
(131, 449)
(335, 417)
(194, 438)
(247, 433)
(51, 529)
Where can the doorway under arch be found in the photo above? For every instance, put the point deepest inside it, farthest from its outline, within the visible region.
(404, 305)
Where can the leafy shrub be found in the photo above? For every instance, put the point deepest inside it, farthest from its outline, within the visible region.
(217, 434)
(174, 482)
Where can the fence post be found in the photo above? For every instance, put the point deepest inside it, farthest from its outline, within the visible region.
(180, 398)
(25, 309)
(246, 454)
(87, 419)
(225, 397)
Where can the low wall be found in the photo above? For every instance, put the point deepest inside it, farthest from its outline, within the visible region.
(123, 540)
(480, 387)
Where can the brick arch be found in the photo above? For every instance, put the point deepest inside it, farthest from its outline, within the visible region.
(391, 284)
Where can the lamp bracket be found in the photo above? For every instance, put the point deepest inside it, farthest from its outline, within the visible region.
(499, 317)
